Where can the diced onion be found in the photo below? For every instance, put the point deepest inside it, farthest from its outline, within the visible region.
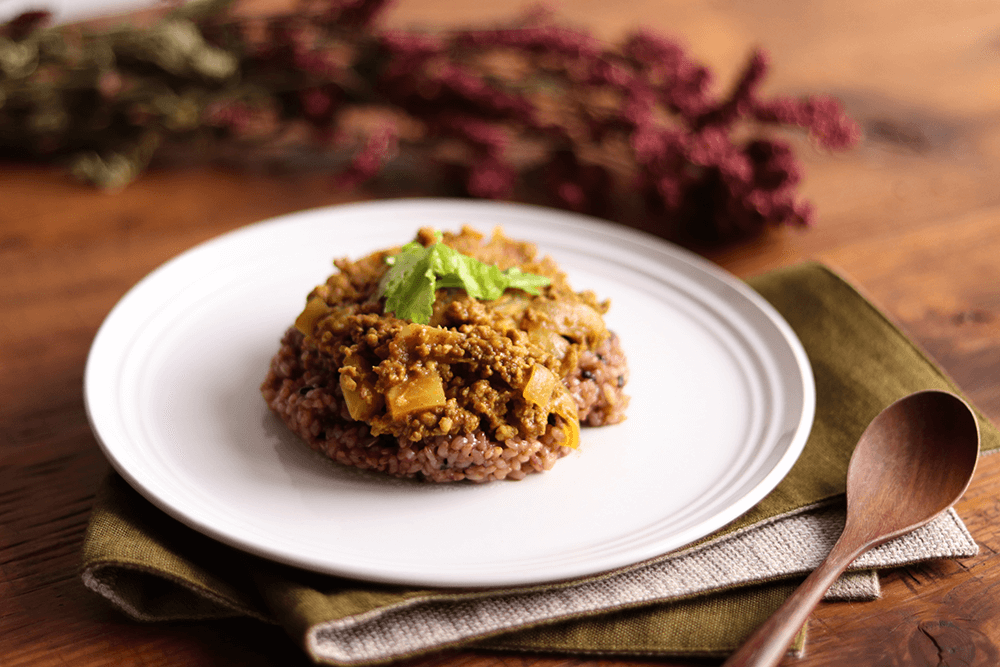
(575, 320)
(564, 405)
(357, 387)
(541, 382)
(315, 309)
(550, 341)
(357, 406)
(419, 392)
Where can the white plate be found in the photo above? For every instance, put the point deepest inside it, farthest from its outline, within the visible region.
(722, 403)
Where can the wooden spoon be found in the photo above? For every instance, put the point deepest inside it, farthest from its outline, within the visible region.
(913, 462)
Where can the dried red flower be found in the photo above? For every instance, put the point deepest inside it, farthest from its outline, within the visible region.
(23, 25)
(378, 149)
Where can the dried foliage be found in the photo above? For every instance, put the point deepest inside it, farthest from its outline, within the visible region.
(497, 112)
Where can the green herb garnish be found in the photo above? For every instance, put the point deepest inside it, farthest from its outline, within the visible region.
(416, 273)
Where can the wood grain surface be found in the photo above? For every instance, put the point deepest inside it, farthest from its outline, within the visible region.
(912, 216)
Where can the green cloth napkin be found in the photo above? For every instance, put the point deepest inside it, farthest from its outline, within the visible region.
(154, 568)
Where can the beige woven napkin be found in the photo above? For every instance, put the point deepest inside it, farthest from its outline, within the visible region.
(702, 600)
(788, 546)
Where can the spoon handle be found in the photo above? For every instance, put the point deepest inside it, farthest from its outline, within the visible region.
(769, 643)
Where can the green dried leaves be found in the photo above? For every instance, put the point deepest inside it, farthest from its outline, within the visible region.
(177, 46)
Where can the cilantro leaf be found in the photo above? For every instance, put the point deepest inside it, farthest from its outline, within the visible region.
(416, 273)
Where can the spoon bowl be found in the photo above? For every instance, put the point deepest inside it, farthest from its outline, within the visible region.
(913, 462)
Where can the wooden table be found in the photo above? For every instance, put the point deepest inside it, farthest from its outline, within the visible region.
(912, 216)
